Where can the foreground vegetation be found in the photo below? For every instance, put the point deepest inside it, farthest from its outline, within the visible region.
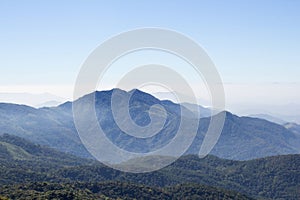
(113, 190)
(32, 171)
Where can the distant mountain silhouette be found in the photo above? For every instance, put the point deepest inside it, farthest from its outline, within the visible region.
(48, 104)
(293, 127)
(34, 100)
(269, 118)
(197, 109)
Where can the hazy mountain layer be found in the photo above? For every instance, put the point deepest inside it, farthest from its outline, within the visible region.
(243, 138)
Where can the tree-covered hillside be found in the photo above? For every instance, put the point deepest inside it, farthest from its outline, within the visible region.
(25, 163)
(115, 190)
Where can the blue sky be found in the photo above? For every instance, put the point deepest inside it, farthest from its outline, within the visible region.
(251, 42)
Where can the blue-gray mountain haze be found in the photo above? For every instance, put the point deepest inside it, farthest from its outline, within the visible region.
(242, 138)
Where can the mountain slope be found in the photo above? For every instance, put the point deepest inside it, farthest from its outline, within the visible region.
(59, 170)
(242, 138)
(273, 177)
(21, 160)
(53, 127)
(115, 190)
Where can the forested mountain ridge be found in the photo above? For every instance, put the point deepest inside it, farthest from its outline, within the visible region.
(23, 162)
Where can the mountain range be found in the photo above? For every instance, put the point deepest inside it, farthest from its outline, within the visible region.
(242, 138)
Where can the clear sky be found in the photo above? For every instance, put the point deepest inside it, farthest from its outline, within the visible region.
(256, 43)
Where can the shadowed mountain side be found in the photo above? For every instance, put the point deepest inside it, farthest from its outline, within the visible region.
(242, 138)
(246, 138)
(53, 127)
